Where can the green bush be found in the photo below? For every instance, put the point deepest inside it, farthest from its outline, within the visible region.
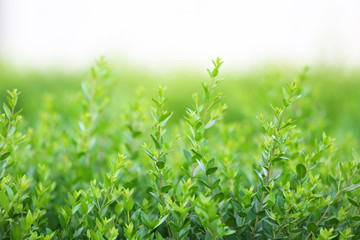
(98, 173)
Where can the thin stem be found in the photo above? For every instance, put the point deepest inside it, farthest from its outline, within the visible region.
(5, 140)
(270, 155)
(217, 205)
(159, 170)
(283, 223)
(91, 112)
(207, 103)
(103, 203)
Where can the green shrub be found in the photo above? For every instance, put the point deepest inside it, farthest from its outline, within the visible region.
(101, 174)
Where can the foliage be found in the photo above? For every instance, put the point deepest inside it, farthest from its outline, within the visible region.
(99, 173)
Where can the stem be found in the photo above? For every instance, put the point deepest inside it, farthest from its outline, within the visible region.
(283, 223)
(336, 197)
(160, 176)
(103, 203)
(91, 112)
(270, 155)
(203, 120)
(217, 205)
(208, 101)
(6, 138)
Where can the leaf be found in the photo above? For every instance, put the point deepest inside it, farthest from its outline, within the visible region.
(301, 170)
(166, 188)
(160, 164)
(201, 166)
(353, 202)
(161, 221)
(149, 154)
(4, 156)
(9, 192)
(156, 197)
(352, 187)
(259, 174)
(165, 117)
(275, 175)
(215, 184)
(211, 123)
(312, 227)
(78, 232)
(7, 111)
(333, 182)
(204, 183)
(158, 236)
(16, 232)
(219, 197)
(187, 155)
(157, 144)
(211, 170)
(198, 136)
(129, 204)
(4, 201)
(343, 172)
(85, 91)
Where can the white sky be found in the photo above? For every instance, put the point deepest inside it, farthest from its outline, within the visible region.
(157, 34)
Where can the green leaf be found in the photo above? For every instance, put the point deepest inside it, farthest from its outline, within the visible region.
(343, 172)
(201, 166)
(211, 170)
(157, 144)
(129, 204)
(166, 188)
(353, 202)
(158, 236)
(4, 156)
(219, 197)
(198, 136)
(85, 91)
(301, 170)
(4, 201)
(215, 72)
(7, 111)
(165, 117)
(160, 164)
(78, 232)
(352, 187)
(161, 221)
(156, 197)
(204, 183)
(83, 207)
(312, 227)
(16, 232)
(215, 184)
(187, 155)
(149, 154)
(333, 182)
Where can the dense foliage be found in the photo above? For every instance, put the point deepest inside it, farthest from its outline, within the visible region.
(98, 173)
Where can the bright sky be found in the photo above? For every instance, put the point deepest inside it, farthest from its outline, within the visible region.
(157, 34)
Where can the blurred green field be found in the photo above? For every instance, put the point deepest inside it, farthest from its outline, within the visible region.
(332, 92)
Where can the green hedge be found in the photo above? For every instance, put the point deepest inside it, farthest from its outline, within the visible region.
(99, 171)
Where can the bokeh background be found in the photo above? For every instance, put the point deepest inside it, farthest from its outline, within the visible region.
(47, 48)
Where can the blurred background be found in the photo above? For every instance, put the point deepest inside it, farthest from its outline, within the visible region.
(47, 47)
